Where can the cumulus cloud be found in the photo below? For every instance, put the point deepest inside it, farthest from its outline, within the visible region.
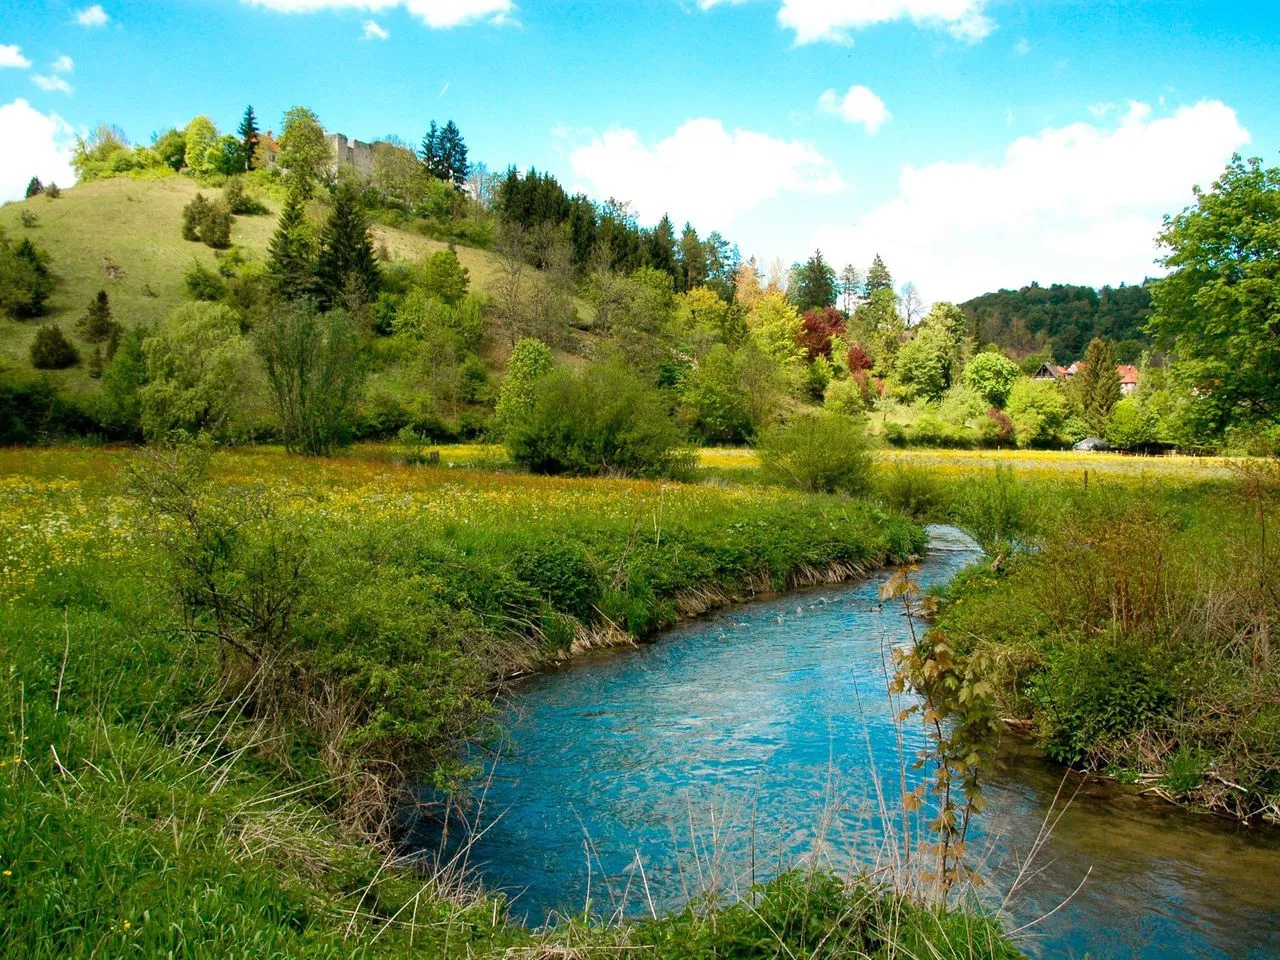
(63, 64)
(93, 16)
(47, 142)
(834, 21)
(436, 14)
(858, 105)
(11, 56)
(1078, 204)
(375, 31)
(51, 83)
(702, 172)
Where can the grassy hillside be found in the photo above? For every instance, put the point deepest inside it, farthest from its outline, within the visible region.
(135, 226)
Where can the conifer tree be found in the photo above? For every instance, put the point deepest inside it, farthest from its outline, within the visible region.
(850, 288)
(453, 154)
(1098, 385)
(813, 285)
(97, 325)
(661, 248)
(34, 188)
(291, 252)
(248, 131)
(430, 154)
(347, 264)
(878, 278)
(96, 364)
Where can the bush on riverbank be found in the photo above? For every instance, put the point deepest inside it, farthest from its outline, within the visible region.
(1133, 622)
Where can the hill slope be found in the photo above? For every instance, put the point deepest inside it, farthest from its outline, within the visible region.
(135, 226)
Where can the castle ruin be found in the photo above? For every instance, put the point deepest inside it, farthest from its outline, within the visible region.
(352, 153)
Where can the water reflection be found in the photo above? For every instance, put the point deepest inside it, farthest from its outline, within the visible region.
(743, 743)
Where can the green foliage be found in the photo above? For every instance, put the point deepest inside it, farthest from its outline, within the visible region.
(120, 404)
(201, 153)
(346, 265)
(25, 281)
(602, 420)
(291, 252)
(1132, 425)
(51, 350)
(203, 283)
(238, 199)
(248, 132)
(1097, 385)
(529, 362)
(1058, 320)
(304, 152)
(1038, 411)
(817, 452)
(775, 327)
(844, 397)
(314, 372)
(1087, 693)
(196, 365)
(1216, 310)
(443, 276)
(208, 222)
(813, 284)
(715, 406)
(34, 188)
(993, 375)
(97, 324)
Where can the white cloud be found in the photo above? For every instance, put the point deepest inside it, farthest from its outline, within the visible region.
(51, 83)
(858, 105)
(375, 31)
(11, 56)
(1022, 47)
(63, 64)
(93, 16)
(46, 141)
(436, 14)
(1075, 204)
(832, 20)
(702, 173)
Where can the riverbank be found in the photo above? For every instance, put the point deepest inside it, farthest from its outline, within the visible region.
(1131, 622)
(215, 689)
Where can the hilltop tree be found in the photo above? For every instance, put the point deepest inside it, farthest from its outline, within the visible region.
(693, 259)
(444, 153)
(304, 151)
(291, 252)
(199, 138)
(34, 187)
(347, 265)
(661, 248)
(813, 284)
(1097, 384)
(248, 131)
(1219, 306)
(96, 325)
(878, 278)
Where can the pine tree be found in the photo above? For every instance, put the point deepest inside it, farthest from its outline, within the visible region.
(34, 188)
(113, 341)
(96, 325)
(813, 286)
(850, 288)
(693, 259)
(878, 278)
(291, 252)
(661, 248)
(347, 264)
(248, 131)
(453, 155)
(431, 153)
(51, 350)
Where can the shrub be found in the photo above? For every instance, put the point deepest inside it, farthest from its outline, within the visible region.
(601, 420)
(715, 407)
(204, 284)
(238, 201)
(529, 362)
(30, 219)
(25, 282)
(207, 221)
(1131, 427)
(819, 452)
(560, 570)
(53, 191)
(195, 369)
(844, 396)
(51, 350)
(97, 325)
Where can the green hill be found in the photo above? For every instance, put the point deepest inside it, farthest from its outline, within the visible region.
(123, 236)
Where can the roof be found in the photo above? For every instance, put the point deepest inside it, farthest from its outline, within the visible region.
(1128, 374)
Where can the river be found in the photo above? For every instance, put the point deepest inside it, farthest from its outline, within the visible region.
(763, 736)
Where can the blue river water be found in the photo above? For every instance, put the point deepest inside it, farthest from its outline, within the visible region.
(764, 737)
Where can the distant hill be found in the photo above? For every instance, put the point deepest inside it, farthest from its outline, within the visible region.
(1063, 318)
(123, 236)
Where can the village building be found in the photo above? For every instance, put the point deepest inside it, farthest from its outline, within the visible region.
(1051, 371)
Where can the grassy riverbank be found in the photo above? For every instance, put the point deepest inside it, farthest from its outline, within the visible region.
(216, 685)
(1131, 618)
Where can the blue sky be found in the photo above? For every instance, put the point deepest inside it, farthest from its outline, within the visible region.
(984, 143)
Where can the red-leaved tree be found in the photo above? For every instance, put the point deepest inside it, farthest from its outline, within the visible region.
(817, 327)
